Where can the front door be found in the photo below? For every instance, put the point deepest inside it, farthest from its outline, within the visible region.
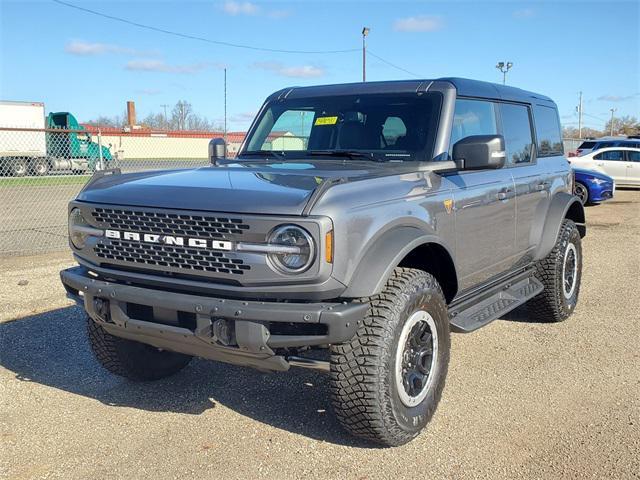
(485, 210)
(484, 203)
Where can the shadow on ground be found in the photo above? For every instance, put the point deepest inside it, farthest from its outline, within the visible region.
(52, 349)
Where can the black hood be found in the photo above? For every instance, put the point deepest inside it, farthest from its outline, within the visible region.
(274, 188)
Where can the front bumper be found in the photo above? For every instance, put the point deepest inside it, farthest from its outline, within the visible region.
(241, 332)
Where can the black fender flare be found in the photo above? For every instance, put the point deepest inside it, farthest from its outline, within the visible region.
(563, 205)
(381, 258)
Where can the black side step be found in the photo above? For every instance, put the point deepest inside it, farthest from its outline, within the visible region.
(476, 312)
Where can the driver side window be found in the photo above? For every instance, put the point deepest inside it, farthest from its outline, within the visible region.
(472, 117)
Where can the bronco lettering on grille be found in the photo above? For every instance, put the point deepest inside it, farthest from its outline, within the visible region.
(169, 240)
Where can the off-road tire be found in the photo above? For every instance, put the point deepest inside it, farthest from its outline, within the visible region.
(363, 378)
(133, 360)
(552, 305)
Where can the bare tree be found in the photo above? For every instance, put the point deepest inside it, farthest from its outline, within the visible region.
(180, 114)
(182, 118)
(154, 121)
(627, 125)
(116, 121)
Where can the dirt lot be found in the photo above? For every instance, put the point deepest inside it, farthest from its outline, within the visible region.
(522, 399)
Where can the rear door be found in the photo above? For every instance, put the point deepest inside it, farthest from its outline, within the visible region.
(533, 169)
(484, 203)
(614, 163)
(633, 167)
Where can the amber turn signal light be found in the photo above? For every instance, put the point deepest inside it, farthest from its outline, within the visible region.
(328, 247)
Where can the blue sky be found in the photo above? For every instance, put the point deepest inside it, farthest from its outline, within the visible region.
(89, 65)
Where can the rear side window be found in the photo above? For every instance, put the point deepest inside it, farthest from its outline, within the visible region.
(548, 131)
(586, 145)
(516, 127)
(473, 117)
(633, 156)
(613, 155)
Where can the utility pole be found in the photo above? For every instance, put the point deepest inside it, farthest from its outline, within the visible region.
(166, 121)
(580, 117)
(365, 32)
(504, 67)
(225, 106)
(611, 125)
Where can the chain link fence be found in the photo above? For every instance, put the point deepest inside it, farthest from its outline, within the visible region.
(41, 170)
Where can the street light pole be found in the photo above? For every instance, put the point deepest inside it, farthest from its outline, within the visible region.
(504, 67)
(225, 106)
(611, 124)
(580, 117)
(166, 120)
(365, 32)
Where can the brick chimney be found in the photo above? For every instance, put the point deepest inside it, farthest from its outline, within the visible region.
(131, 113)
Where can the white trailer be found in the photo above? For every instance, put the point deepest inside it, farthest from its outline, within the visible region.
(21, 150)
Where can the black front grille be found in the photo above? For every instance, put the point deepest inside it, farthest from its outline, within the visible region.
(169, 223)
(170, 256)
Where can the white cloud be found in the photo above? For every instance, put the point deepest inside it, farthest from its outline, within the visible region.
(419, 23)
(79, 47)
(152, 65)
(235, 8)
(240, 8)
(301, 71)
(524, 13)
(616, 98)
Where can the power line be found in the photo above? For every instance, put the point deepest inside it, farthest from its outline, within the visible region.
(225, 44)
(198, 38)
(392, 65)
(595, 116)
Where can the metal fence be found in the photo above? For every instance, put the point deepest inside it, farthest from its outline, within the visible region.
(571, 144)
(42, 169)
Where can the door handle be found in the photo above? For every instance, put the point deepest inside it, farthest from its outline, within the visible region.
(542, 186)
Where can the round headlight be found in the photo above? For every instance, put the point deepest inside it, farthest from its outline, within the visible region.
(300, 257)
(77, 236)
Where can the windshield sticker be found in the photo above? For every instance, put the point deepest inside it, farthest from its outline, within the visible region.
(326, 121)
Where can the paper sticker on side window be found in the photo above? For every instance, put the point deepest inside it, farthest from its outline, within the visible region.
(326, 121)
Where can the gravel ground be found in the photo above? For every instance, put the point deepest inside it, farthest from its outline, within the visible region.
(522, 399)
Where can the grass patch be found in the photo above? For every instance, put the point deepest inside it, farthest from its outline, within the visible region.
(49, 181)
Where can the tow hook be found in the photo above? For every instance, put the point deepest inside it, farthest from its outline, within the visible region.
(101, 307)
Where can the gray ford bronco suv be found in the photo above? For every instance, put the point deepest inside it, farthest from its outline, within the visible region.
(365, 220)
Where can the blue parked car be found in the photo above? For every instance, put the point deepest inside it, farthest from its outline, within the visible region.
(592, 187)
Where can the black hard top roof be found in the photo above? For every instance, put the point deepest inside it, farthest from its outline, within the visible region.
(464, 87)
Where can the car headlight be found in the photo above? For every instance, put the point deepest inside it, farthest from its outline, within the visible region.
(79, 229)
(297, 252)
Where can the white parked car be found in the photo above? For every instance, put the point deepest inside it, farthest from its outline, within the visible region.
(620, 163)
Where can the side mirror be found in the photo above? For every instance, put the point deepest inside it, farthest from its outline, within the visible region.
(217, 150)
(479, 152)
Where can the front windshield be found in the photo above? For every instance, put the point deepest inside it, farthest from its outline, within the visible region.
(381, 127)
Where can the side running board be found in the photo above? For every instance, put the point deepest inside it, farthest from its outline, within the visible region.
(473, 313)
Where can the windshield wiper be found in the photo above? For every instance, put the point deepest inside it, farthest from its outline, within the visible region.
(262, 153)
(347, 153)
